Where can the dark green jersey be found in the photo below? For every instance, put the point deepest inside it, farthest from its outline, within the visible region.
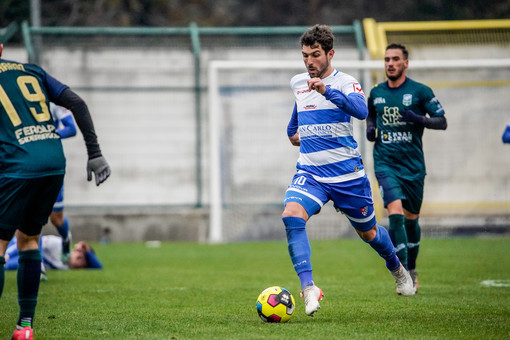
(398, 146)
(29, 144)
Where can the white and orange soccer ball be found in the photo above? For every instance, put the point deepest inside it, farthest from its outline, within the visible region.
(275, 304)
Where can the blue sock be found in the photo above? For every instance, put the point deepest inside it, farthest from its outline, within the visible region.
(63, 230)
(382, 244)
(299, 248)
(306, 279)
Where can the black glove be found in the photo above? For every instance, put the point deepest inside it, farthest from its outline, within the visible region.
(410, 116)
(100, 168)
(371, 133)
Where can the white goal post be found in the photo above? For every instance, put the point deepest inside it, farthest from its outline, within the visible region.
(216, 115)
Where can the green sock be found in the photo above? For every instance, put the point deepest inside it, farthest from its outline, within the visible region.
(398, 236)
(413, 241)
(29, 275)
(2, 274)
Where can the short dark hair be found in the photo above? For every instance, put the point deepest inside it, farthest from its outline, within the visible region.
(395, 46)
(321, 34)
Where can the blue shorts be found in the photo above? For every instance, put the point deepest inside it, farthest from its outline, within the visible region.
(26, 203)
(352, 198)
(59, 203)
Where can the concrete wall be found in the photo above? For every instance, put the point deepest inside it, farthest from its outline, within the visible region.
(142, 102)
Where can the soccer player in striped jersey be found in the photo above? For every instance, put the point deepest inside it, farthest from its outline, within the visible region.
(329, 165)
(66, 127)
(398, 110)
(32, 167)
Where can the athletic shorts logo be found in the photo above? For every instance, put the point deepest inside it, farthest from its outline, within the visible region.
(407, 100)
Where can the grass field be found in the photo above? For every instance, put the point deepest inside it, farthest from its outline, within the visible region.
(199, 291)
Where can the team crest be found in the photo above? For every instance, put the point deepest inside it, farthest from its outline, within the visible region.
(407, 100)
(364, 211)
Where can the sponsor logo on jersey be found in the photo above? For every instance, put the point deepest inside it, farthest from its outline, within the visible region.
(303, 91)
(407, 100)
(391, 116)
(316, 130)
(35, 133)
(310, 107)
(364, 211)
(394, 137)
(379, 100)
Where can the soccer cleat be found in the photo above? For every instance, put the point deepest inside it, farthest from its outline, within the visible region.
(403, 281)
(25, 333)
(414, 277)
(66, 248)
(312, 295)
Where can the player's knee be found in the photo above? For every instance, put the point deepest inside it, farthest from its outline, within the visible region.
(57, 219)
(27, 242)
(368, 235)
(293, 209)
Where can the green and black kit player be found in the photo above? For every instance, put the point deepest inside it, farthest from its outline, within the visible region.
(32, 167)
(399, 111)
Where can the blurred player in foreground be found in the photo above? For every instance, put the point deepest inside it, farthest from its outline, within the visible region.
(506, 133)
(33, 165)
(329, 165)
(64, 122)
(82, 256)
(397, 117)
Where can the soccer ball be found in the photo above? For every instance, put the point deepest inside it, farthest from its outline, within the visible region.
(275, 304)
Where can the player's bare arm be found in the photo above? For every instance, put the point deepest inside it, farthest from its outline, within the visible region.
(294, 140)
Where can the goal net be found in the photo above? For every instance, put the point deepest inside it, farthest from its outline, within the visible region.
(252, 161)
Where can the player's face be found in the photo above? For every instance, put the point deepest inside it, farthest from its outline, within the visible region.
(317, 61)
(395, 64)
(77, 259)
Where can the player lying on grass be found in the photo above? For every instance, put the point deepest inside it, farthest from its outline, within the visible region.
(82, 256)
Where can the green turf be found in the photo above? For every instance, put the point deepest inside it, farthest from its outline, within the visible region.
(193, 291)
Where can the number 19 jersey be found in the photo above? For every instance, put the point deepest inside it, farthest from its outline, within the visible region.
(29, 144)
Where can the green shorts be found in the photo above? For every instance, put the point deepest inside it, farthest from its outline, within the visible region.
(26, 203)
(393, 188)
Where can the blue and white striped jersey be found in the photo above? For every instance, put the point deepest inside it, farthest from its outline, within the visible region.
(328, 150)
